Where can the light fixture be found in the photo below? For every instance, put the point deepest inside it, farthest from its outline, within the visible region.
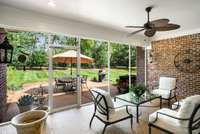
(51, 3)
(6, 52)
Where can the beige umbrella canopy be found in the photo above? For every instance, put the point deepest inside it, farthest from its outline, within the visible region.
(70, 57)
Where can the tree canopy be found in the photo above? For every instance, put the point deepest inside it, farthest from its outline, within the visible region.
(34, 46)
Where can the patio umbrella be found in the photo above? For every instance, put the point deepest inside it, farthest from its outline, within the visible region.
(70, 57)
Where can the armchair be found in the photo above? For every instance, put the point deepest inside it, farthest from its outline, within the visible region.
(185, 121)
(105, 111)
(166, 89)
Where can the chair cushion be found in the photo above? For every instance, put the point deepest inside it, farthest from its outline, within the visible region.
(167, 83)
(166, 122)
(120, 113)
(187, 108)
(107, 97)
(164, 93)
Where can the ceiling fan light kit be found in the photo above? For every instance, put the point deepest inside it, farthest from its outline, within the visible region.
(151, 27)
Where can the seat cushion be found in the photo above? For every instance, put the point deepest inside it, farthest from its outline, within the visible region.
(166, 122)
(164, 93)
(107, 97)
(187, 108)
(119, 114)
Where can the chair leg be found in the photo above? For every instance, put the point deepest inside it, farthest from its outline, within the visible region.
(169, 103)
(149, 129)
(91, 120)
(131, 122)
(104, 129)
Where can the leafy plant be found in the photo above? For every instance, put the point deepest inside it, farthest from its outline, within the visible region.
(94, 79)
(25, 100)
(138, 90)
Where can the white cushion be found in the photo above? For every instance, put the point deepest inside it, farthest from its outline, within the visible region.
(164, 93)
(107, 97)
(168, 123)
(187, 108)
(119, 113)
(167, 83)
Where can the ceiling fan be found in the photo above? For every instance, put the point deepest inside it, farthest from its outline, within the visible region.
(151, 27)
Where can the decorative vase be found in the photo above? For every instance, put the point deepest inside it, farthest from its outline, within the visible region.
(31, 122)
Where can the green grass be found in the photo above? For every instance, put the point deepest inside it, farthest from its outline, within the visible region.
(16, 78)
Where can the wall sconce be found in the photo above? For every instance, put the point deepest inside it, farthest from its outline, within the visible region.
(6, 51)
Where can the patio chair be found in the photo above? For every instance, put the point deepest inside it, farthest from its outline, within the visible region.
(59, 84)
(184, 121)
(84, 81)
(105, 111)
(166, 89)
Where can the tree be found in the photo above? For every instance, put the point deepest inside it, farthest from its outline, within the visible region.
(37, 58)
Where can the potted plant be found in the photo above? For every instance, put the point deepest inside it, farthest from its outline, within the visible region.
(137, 90)
(25, 103)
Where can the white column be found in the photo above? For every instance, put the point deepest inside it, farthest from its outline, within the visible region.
(129, 65)
(108, 67)
(50, 71)
(78, 73)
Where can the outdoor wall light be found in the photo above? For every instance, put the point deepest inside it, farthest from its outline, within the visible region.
(6, 51)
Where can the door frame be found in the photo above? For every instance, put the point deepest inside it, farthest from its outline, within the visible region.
(50, 74)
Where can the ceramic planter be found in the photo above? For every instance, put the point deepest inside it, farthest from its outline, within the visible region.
(31, 122)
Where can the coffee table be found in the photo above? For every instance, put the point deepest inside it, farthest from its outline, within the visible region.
(130, 98)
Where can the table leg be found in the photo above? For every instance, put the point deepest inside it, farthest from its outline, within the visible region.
(137, 113)
(160, 102)
(114, 99)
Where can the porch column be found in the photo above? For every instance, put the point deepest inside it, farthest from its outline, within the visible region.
(109, 67)
(3, 92)
(140, 64)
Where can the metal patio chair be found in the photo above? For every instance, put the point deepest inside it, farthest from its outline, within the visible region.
(105, 111)
(185, 121)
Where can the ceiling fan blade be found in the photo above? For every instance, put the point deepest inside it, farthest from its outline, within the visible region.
(160, 22)
(167, 27)
(150, 32)
(134, 26)
(135, 32)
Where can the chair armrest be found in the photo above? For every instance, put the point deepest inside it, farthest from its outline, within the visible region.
(174, 117)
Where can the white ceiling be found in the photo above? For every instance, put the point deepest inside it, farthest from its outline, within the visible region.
(116, 14)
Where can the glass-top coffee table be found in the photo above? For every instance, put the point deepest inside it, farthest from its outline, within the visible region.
(130, 98)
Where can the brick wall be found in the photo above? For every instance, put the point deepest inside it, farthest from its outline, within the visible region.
(164, 52)
(140, 55)
(3, 97)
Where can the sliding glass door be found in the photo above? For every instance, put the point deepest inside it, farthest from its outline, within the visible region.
(64, 78)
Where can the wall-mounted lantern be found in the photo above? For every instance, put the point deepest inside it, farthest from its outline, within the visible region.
(6, 51)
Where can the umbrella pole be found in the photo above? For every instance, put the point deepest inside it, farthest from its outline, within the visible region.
(71, 66)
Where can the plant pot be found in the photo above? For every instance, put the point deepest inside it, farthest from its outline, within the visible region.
(24, 108)
(31, 122)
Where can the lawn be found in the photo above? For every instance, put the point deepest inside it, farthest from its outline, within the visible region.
(16, 78)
